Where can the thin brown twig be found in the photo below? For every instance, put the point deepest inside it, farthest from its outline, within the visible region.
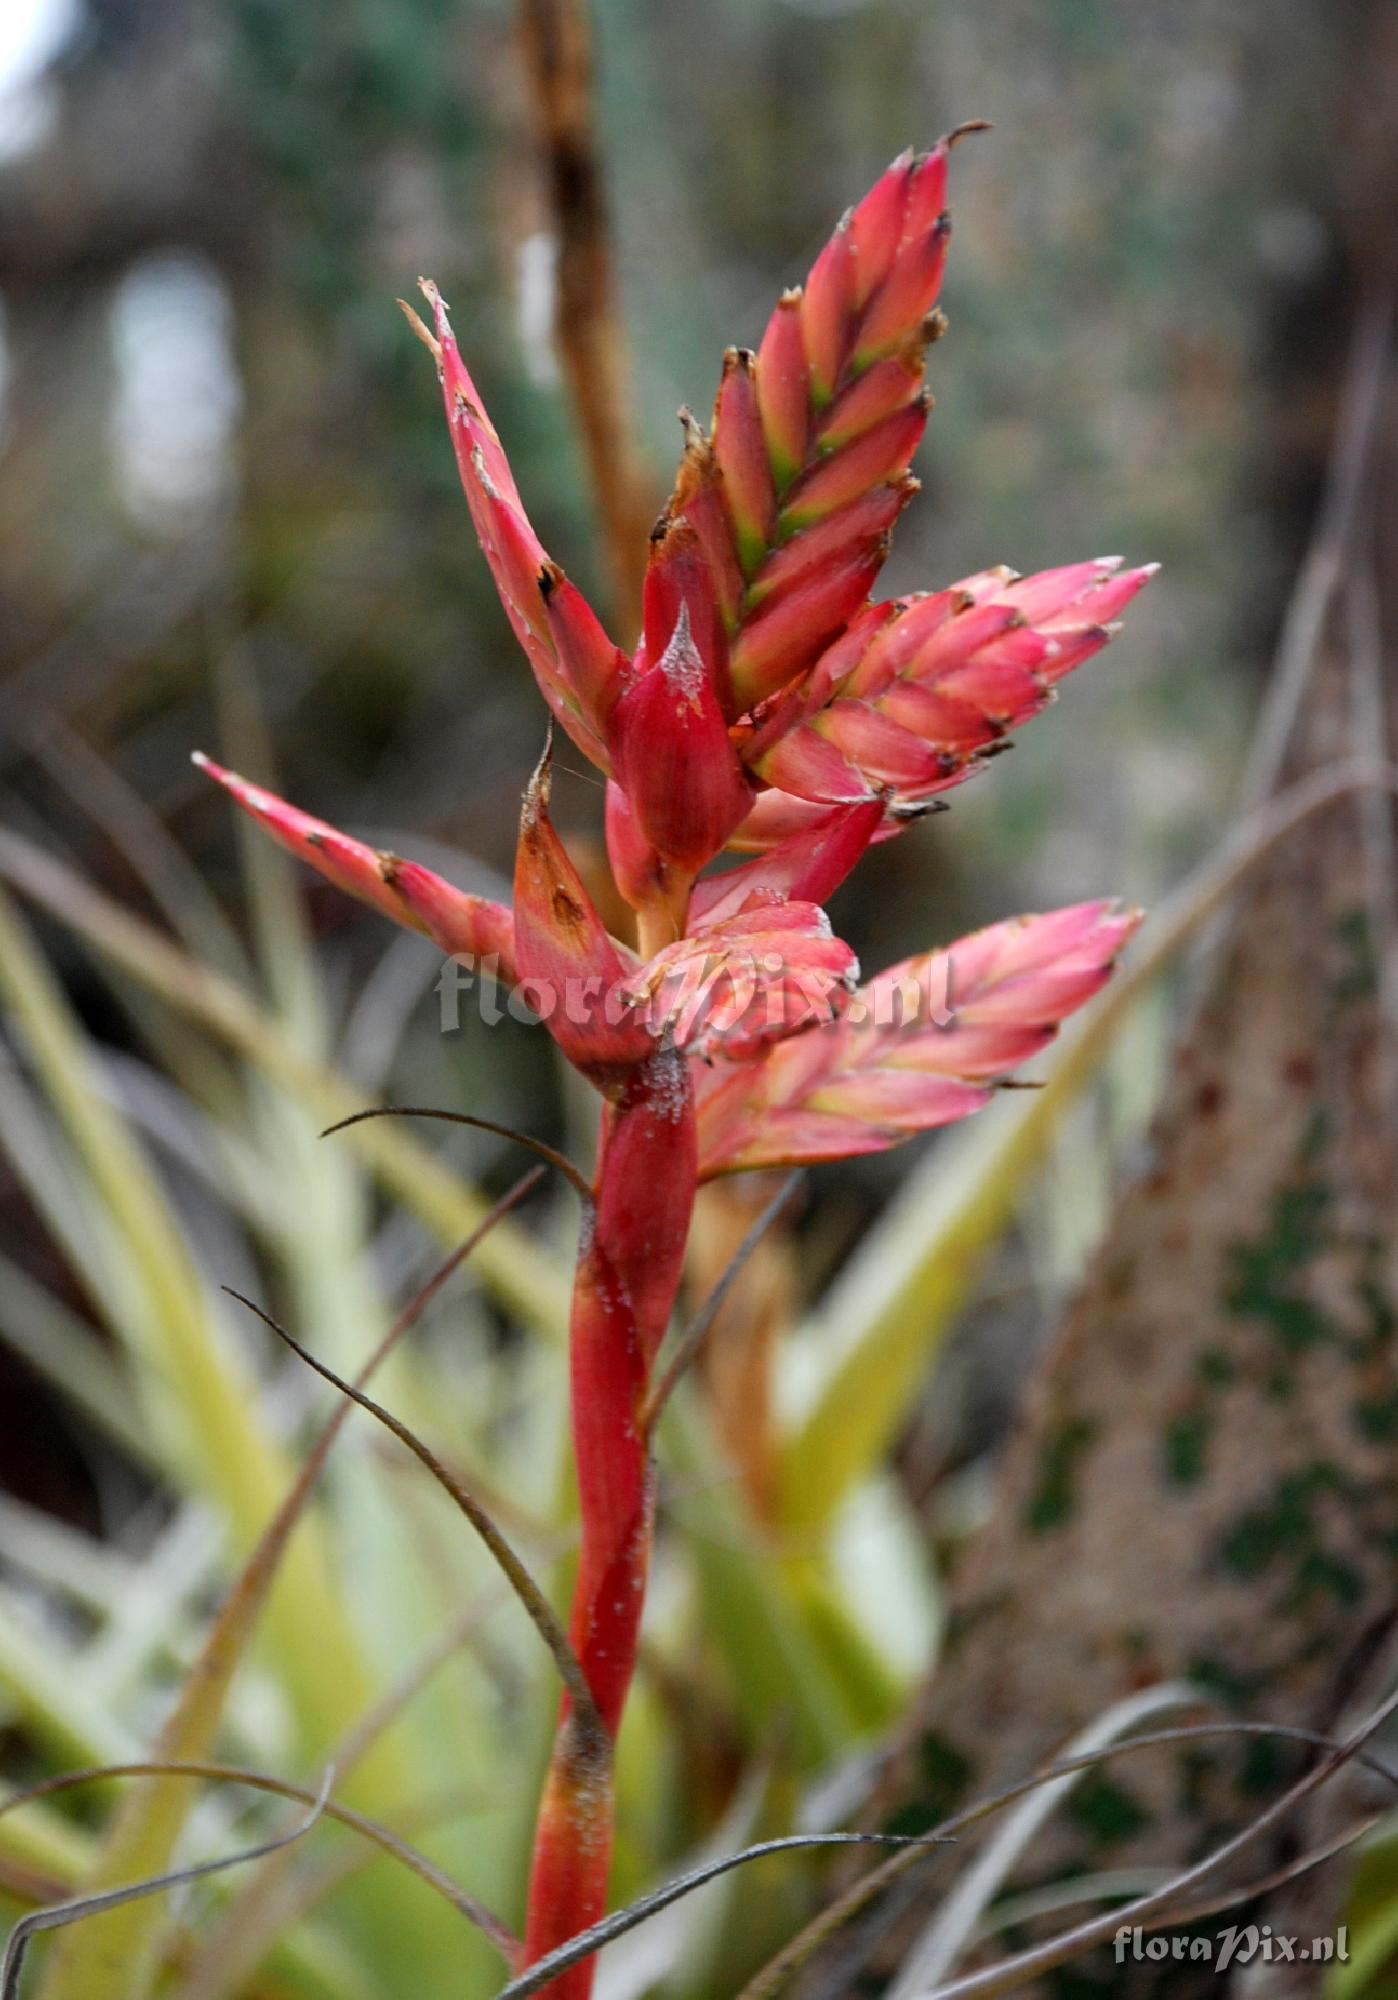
(246, 1927)
(588, 327)
(536, 1606)
(57, 1916)
(275, 1904)
(1347, 474)
(203, 1688)
(460, 1899)
(549, 1154)
(997, 1980)
(845, 1907)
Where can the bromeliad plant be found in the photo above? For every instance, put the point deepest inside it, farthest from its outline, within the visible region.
(772, 709)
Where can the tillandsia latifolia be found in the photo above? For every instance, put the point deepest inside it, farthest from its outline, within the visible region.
(771, 708)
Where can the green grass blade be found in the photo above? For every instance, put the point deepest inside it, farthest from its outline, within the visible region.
(885, 1319)
(521, 1274)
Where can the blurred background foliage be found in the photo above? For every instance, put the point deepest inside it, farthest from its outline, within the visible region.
(229, 517)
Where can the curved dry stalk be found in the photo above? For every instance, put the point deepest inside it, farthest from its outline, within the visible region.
(697, 1332)
(141, 1837)
(1015, 1972)
(247, 1914)
(550, 1154)
(466, 1905)
(912, 1847)
(945, 1937)
(860, 1894)
(1189, 1914)
(547, 1969)
(588, 327)
(58, 1915)
(1351, 457)
(536, 1606)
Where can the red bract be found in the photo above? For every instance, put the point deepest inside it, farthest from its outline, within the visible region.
(768, 708)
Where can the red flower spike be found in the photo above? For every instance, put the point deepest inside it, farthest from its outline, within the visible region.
(744, 467)
(574, 662)
(920, 1046)
(742, 981)
(569, 965)
(916, 692)
(779, 817)
(839, 482)
(698, 504)
(877, 226)
(834, 400)
(870, 518)
(638, 871)
(819, 600)
(459, 925)
(808, 866)
(880, 392)
(739, 1043)
(678, 580)
(907, 295)
(783, 393)
(827, 314)
(673, 757)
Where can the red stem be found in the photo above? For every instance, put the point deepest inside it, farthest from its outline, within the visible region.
(628, 1272)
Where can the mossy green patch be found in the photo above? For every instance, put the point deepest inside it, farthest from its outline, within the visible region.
(1186, 1443)
(1286, 1530)
(1105, 1810)
(1284, 1525)
(1316, 1137)
(1262, 1767)
(1216, 1368)
(943, 1774)
(1377, 1418)
(1322, 1574)
(1378, 1311)
(1358, 975)
(1227, 1683)
(1264, 1272)
(1053, 1499)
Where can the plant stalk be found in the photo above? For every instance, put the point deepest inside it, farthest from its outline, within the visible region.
(629, 1264)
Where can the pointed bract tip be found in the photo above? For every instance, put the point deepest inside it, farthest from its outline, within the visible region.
(422, 331)
(964, 131)
(200, 761)
(540, 787)
(428, 288)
